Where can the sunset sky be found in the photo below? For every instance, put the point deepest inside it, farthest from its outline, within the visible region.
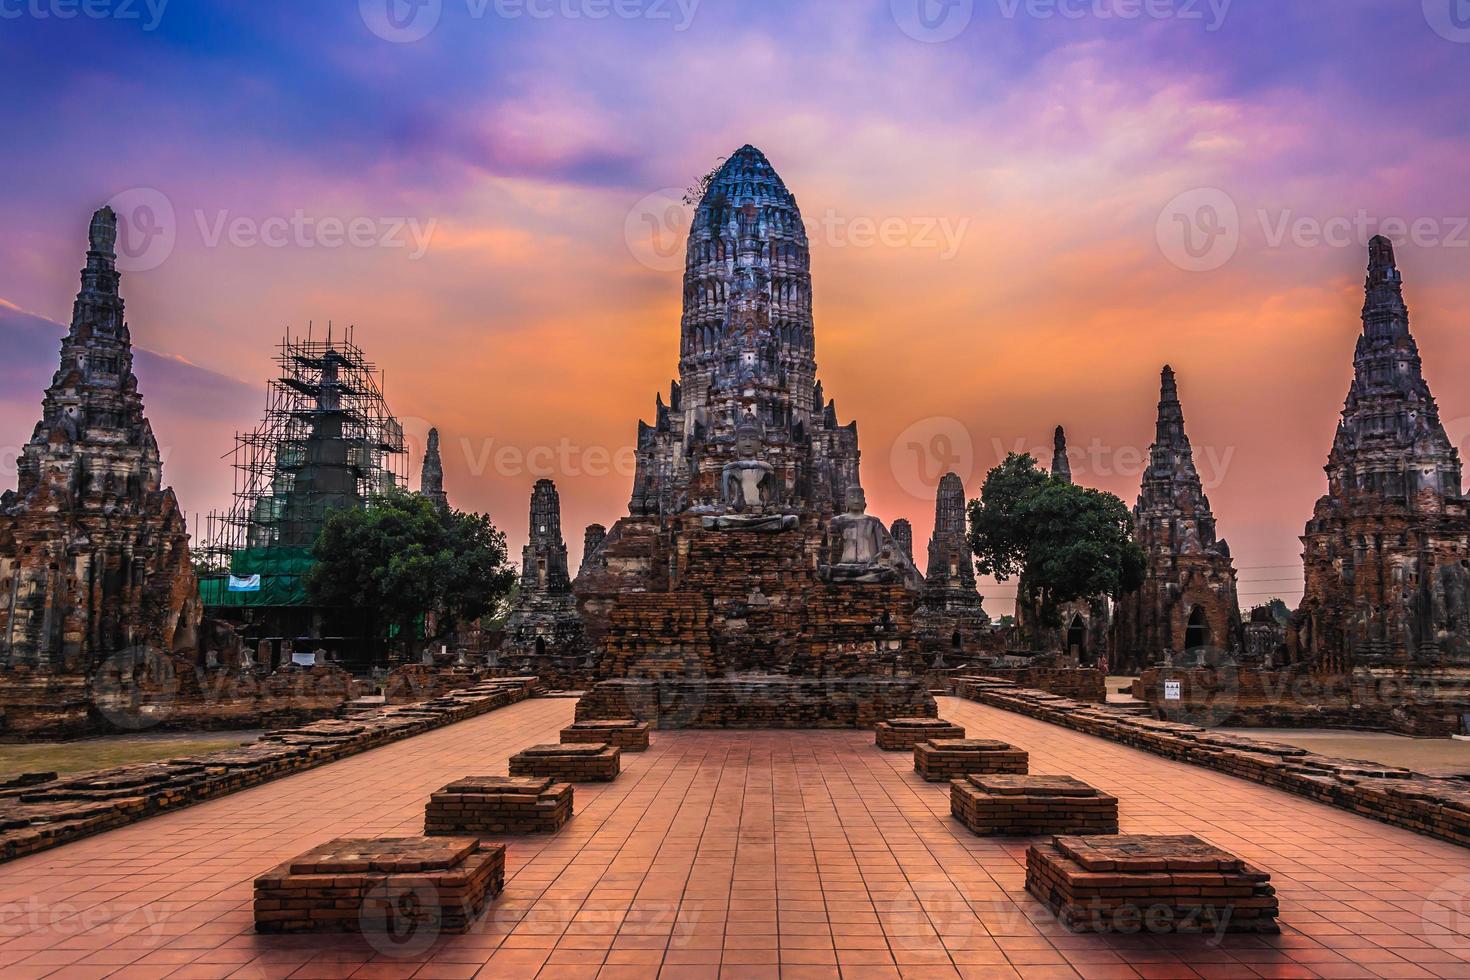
(1019, 211)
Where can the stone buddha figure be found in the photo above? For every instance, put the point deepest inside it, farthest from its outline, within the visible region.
(749, 490)
(867, 555)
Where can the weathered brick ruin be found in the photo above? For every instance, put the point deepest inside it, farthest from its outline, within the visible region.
(951, 621)
(1188, 603)
(585, 762)
(94, 552)
(499, 805)
(544, 633)
(747, 556)
(1387, 550)
(1028, 806)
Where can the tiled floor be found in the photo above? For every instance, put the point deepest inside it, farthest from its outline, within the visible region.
(736, 855)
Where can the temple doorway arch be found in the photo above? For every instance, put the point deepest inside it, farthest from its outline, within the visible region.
(1197, 634)
(1077, 639)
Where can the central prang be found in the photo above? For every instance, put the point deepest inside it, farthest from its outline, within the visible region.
(747, 552)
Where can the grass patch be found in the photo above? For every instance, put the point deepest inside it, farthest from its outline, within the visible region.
(105, 753)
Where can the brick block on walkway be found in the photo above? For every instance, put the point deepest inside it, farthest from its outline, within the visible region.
(1019, 806)
(940, 762)
(1153, 884)
(902, 734)
(402, 886)
(499, 805)
(628, 735)
(586, 763)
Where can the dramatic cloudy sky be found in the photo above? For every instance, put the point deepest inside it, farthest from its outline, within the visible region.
(998, 193)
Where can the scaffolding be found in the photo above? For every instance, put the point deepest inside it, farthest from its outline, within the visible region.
(327, 442)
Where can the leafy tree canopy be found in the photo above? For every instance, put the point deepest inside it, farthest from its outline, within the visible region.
(1061, 541)
(403, 557)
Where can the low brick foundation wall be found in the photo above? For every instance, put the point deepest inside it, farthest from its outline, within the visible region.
(1435, 807)
(571, 763)
(1150, 884)
(902, 734)
(758, 702)
(630, 736)
(397, 886)
(940, 762)
(36, 816)
(499, 805)
(1025, 806)
(1078, 683)
(1423, 704)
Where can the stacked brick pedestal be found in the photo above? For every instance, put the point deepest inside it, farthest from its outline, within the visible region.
(942, 761)
(401, 886)
(626, 734)
(499, 805)
(903, 734)
(1027, 805)
(587, 763)
(1132, 884)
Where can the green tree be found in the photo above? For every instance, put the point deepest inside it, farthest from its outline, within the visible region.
(1060, 541)
(402, 558)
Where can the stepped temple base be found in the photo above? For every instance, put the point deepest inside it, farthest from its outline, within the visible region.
(1133, 884)
(626, 734)
(579, 763)
(954, 758)
(1021, 806)
(759, 701)
(398, 886)
(903, 734)
(499, 805)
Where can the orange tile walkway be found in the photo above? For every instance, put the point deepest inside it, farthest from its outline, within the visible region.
(736, 855)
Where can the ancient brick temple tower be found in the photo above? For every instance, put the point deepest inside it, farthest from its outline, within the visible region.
(903, 536)
(1387, 551)
(431, 478)
(1085, 623)
(747, 552)
(951, 619)
(1187, 603)
(94, 553)
(544, 632)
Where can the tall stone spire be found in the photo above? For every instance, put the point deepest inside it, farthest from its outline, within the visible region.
(1188, 601)
(950, 605)
(544, 560)
(431, 479)
(1385, 551)
(1061, 467)
(94, 553)
(544, 633)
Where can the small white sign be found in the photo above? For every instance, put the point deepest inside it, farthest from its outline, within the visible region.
(1173, 691)
(248, 583)
(304, 659)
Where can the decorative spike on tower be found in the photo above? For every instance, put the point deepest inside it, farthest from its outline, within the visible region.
(951, 614)
(431, 478)
(1385, 551)
(1188, 602)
